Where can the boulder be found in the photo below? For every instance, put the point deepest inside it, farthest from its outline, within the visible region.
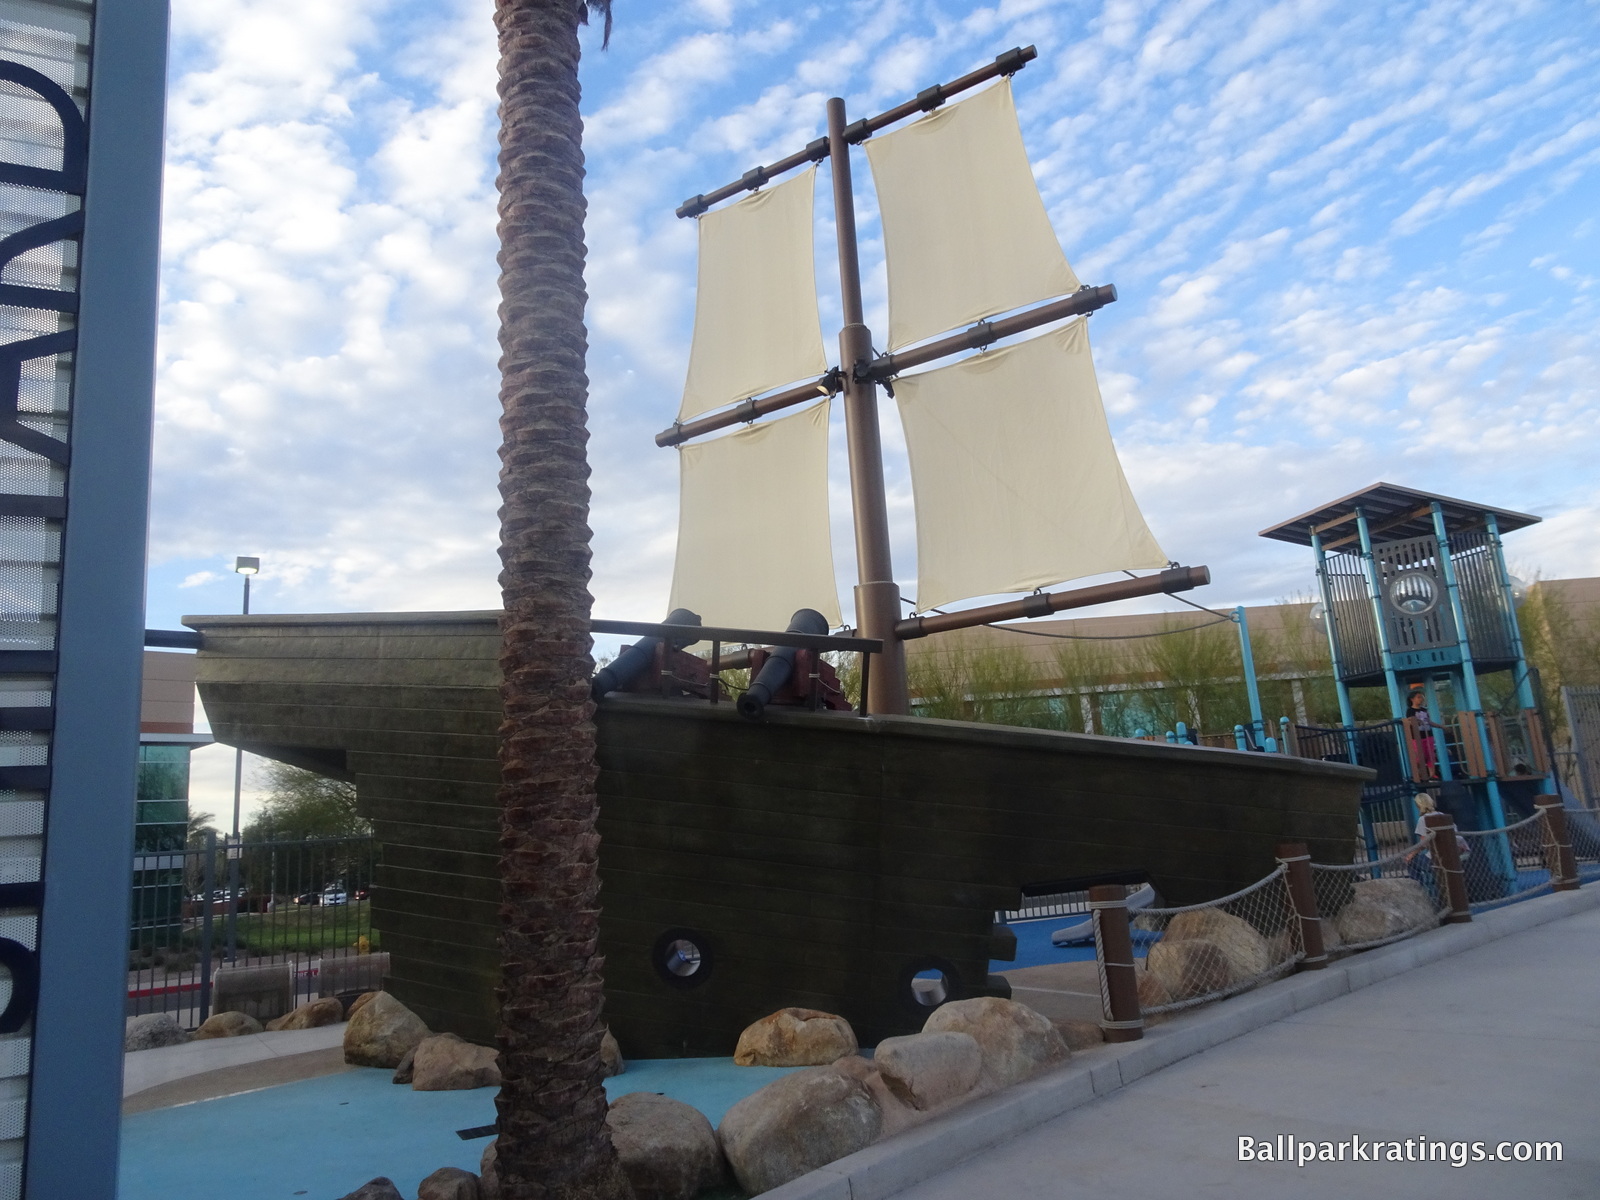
(313, 1014)
(610, 1057)
(450, 1183)
(667, 1148)
(897, 1113)
(228, 1024)
(152, 1031)
(795, 1037)
(1188, 968)
(381, 1032)
(1015, 1040)
(1078, 1034)
(358, 1004)
(1383, 908)
(376, 1189)
(926, 1070)
(1152, 991)
(445, 1063)
(1244, 949)
(797, 1124)
(488, 1175)
(403, 1073)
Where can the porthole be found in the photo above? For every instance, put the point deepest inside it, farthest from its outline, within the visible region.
(682, 957)
(927, 983)
(1414, 593)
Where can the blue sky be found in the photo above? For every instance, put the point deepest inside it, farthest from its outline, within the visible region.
(1353, 242)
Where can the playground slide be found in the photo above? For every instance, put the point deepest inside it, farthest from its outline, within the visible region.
(1083, 931)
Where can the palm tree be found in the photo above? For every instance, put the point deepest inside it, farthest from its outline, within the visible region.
(552, 1105)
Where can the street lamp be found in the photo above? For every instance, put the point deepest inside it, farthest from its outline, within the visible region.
(246, 566)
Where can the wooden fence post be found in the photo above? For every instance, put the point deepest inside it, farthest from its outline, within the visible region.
(1113, 952)
(1303, 896)
(1557, 844)
(1447, 863)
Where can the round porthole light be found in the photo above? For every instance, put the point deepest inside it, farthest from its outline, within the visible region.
(682, 957)
(926, 983)
(1414, 593)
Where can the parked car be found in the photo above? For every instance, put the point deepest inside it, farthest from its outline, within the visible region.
(332, 896)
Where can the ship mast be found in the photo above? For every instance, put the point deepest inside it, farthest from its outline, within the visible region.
(877, 596)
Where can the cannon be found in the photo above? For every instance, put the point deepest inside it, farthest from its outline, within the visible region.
(790, 675)
(655, 661)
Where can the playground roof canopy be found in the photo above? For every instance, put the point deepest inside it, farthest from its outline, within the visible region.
(1393, 512)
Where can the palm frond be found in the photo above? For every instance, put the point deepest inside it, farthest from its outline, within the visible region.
(603, 7)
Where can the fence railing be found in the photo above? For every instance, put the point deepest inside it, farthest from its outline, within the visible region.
(1304, 913)
(293, 918)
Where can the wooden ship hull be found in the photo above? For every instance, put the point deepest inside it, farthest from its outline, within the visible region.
(818, 859)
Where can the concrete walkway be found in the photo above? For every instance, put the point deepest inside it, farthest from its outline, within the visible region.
(1498, 1043)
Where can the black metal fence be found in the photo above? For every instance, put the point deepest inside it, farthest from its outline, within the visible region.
(216, 907)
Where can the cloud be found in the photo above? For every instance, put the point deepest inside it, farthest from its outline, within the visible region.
(1320, 219)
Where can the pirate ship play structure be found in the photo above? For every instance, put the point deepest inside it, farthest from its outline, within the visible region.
(836, 859)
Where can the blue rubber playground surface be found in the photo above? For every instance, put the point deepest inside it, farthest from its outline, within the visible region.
(323, 1138)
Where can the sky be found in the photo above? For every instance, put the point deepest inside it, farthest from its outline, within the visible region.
(1352, 243)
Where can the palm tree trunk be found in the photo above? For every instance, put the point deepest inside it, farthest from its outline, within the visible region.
(552, 1105)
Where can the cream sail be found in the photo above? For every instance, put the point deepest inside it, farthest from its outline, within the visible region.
(965, 232)
(753, 538)
(755, 313)
(1016, 483)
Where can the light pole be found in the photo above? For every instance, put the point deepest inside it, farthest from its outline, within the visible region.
(247, 567)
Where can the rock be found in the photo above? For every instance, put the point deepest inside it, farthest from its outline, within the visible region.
(1015, 1040)
(450, 1183)
(376, 1189)
(1152, 991)
(313, 1014)
(403, 1073)
(1188, 968)
(667, 1148)
(610, 1057)
(1241, 945)
(228, 1024)
(797, 1124)
(926, 1070)
(445, 1063)
(1077, 1034)
(795, 1037)
(897, 1114)
(381, 1032)
(1383, 908)
(488, 1174)
(152, 1031)
(359, 1003)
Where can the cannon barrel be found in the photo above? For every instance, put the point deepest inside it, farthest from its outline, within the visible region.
(775, 671)
(636, 659)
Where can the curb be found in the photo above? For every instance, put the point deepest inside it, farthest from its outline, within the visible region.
(145, 1069)
(921, 1153)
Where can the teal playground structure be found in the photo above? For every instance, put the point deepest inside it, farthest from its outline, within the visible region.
(1416, 599)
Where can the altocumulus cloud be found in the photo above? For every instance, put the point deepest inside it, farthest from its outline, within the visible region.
(1351, 244)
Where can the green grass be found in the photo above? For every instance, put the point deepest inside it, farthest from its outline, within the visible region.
(305, 928)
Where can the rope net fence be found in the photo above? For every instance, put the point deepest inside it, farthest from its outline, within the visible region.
(1205, 952)
(1502, 865)
(1368, 904)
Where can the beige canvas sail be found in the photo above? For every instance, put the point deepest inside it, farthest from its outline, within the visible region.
(965, 231)
(753, 539)
(1016, 482)
(755, 313)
